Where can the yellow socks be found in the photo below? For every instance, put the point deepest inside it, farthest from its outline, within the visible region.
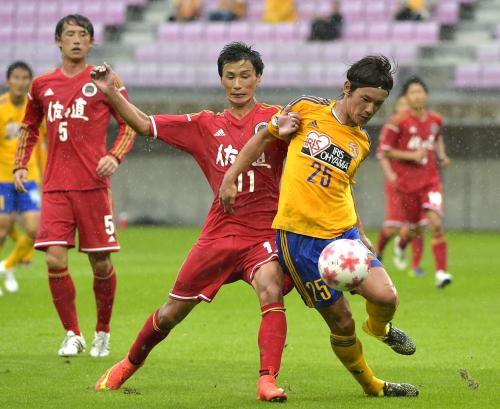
(350, 352)
(23, 246)
(378, 318)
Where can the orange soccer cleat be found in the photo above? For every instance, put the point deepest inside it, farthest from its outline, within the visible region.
(268, 391)
(116, 376)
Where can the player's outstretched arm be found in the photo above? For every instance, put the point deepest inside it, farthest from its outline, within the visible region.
(444, 160)
(250, 152)
(104, 78)
(414, 155)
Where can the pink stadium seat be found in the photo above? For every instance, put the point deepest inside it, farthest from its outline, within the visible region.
(352, 10)
(216, 32)
(170, 32)
(333, 53)
(377, 11)
(239, 31)
(354, 52)
(6, 34)
(263, 32)
(7, 12)
(46, 33)
(94, 10)
(334, 75)
(467, 75)
(24, 34)
(404, 31)
(255, 10)
(49, 14)
(115, 13)
(379, 31)
(285, 32)
(354, 31)
(427, 32)
(307, 10)
(303, 29)
(192, 31)
(448, 12)
(314, 75)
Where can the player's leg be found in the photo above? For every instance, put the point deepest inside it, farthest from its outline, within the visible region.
(439, 249)
(348, 349)
(4, 230)
(385, 234)
(104, 290)
(24, 244)
(410, 207)
(417, 247)
(268, 284)
(381, 304)
(63, 293)
(155, 329)
(393, 219)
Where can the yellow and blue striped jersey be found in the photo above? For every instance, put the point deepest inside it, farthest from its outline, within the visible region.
(11, 118)
(323, 157)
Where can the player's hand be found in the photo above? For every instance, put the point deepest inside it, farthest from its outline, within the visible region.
(103, 77)
(227, 195)
(20, 175)
(107, 166)
(420, 154)
(367, 242)
(288, 122)
(444, 161)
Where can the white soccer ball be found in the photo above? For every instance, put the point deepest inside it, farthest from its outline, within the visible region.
(343, 264)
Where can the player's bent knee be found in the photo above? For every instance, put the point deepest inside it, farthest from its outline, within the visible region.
(55, 262)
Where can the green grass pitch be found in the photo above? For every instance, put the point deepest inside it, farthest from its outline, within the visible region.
(211, 359)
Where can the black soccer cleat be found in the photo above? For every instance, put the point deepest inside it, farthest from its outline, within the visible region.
(399, 390)
(399, 341)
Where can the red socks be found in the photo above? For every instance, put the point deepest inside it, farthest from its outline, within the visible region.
(272, 336)
(440, 250)
(417, 247)
(149, 336)
(63, 295)
(383, 239)
(104, 290)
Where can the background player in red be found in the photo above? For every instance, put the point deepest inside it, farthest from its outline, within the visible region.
(414, 140)
(76, 188)
(230, 248)
(394, 222)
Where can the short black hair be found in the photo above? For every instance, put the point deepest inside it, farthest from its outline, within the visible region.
(19, 64)
(77, 19)
(411, 81)
(374, 71)
(237, 51)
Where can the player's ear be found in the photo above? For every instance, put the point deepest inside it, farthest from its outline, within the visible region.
(259, 79)
(347, 88)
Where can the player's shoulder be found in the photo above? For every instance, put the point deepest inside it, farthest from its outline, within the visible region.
(398, 118)
(205, 114)
(263, 107)
(436, 116)
(365, 134)
(4, 98)
(309, 101)
(45, 76)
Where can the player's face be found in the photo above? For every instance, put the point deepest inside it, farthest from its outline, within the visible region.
(240, 81)
(19, 82)
(75, 42)
(363, 103)
(416, 96)
(401, 105)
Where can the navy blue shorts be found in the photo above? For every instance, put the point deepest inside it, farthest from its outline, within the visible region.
(13, 201)
(299, 258)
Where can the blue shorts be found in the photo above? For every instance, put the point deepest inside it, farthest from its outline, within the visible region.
(299, 257)
(13, 201)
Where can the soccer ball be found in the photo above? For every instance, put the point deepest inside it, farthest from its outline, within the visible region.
(343, 264)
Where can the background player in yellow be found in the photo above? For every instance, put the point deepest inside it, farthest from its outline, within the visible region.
(316, 207)
(12, 108)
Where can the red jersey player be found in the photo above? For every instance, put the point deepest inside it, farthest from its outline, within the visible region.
(76, 188)
(394, 223)
(414, 139)
(230, 248)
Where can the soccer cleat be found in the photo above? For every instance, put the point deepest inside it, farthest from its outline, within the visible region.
(443, 278)
(10, 282)
(399, 390)
(395, 338)
(72, 345)
(418, 272)
(116, 376)
(398, 256)
(100, 344)
(268, 391)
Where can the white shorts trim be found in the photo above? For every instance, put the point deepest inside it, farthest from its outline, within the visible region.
(258, 265)
(155, 131)
(191, 297)
(50, 243)
(97, 249)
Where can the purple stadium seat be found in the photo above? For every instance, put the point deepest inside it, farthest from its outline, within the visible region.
(24, 33)
(404, 31)
(334, 75)
(193, 31)
(467, 75)
(427, 32)
(285, 32)
(377, 11)
(354, 31)
(216, 32)
(207, 76)
(490, 75)
(170, 32)
(352, 10)
(303, 29)
(255, 10)
(115, 13)
(6, 33)
(7, 11)
(46, 33)
(306, 10)
(355, 51)
(313, 52)
(379, 31)
(6, 53)
(448, 12)
(239, 31)
(49, 14)
(405, 52)
(127, 72)
(290, 75)
(263, 32)
(314, 75)
(333, 53)
(94, 10)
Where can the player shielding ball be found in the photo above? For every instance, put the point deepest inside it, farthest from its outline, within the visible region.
(230, 247)
(76, 187)
(316, 207)
(414, 141)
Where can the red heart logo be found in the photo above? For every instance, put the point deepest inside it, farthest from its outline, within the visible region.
(317, 143)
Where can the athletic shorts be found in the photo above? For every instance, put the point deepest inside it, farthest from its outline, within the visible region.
(299, 258)
(211, 263)
(394, 214)
(415, 203)
(89, 211)
(13, 201)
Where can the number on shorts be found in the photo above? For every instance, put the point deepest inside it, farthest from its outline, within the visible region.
(63, 131)
(435, 199)
(318, 288)
(109, 225)
(268, 247)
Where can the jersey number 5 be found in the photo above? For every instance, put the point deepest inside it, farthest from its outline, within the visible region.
(63, 131)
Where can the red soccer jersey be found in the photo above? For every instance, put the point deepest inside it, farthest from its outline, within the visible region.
(77, 121)
(406, 132)
(214, 141)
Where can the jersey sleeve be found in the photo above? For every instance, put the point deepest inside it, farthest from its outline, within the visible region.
(180, 131)
(29, 131)
(295, 105)
(389, 135)
(125, 139)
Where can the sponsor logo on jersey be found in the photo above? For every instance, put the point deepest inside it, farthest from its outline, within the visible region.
(220, 132)
(260, 126)
(89, 89)
(319, 147)
(48, 93)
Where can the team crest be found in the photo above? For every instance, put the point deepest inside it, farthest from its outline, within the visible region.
(260, 126)
(353, 150)
(89, 89)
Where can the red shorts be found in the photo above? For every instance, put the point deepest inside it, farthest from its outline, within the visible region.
(415, 203)
(394, 213)
(89, 211)
(211, 263)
